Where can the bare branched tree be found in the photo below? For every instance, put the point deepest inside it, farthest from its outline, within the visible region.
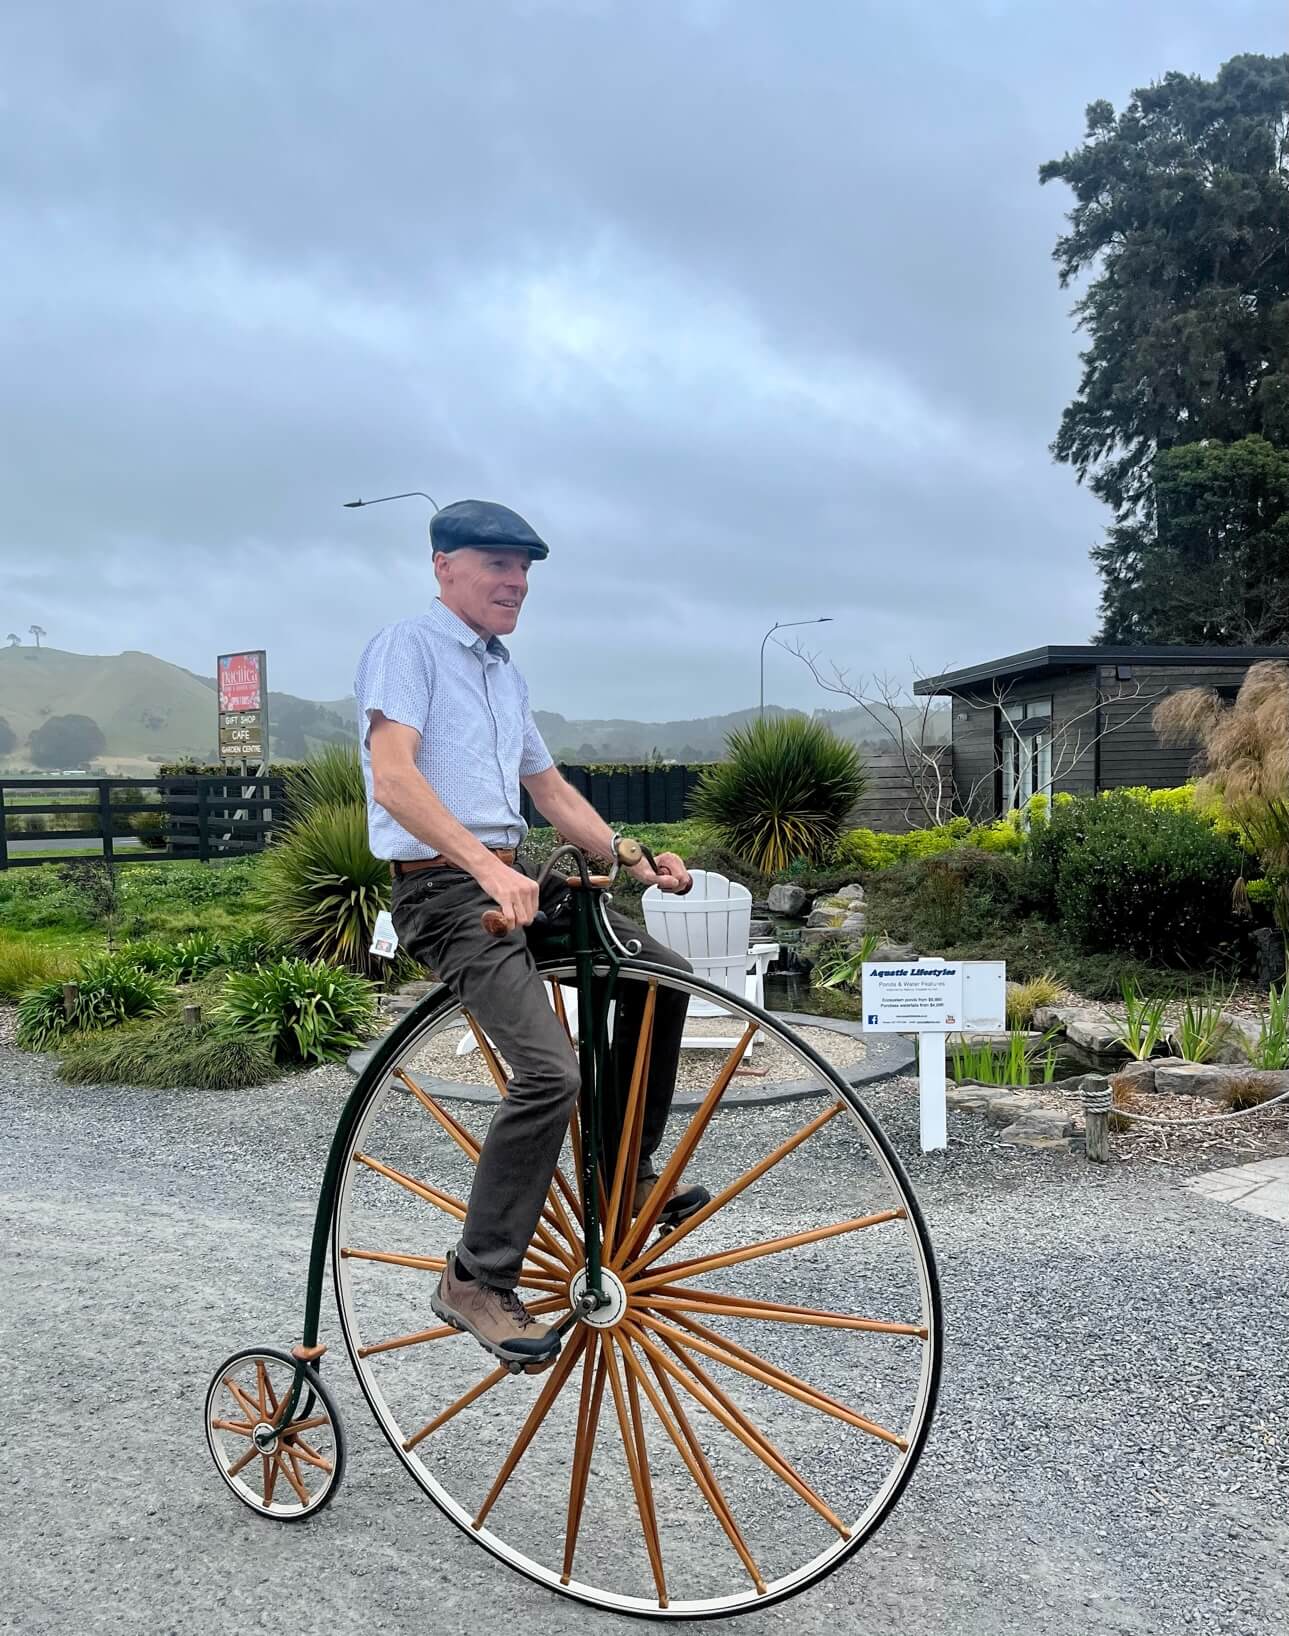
(905, 717)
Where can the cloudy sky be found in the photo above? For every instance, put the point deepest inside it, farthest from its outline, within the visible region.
(746, 304)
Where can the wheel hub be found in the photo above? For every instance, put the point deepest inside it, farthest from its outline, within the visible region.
(264, 1437)
(582, 1299)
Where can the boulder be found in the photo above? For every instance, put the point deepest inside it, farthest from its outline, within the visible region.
(853, 925)
(852, 894)
(1042, 1129)
(1136, 1076)
(999, 1104)
(821, 934)
(761, 931)
(786, 900)
(824, 915)
(895, 951)
(1214, 1080)
(1093, 1031)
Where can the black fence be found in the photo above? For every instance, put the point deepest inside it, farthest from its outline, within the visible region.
(137, 820)
(156, 820)
(638, 795)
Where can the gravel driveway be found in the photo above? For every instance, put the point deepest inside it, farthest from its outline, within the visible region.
(1111, 1452)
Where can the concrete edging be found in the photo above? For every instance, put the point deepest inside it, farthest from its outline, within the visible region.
(886, 1055)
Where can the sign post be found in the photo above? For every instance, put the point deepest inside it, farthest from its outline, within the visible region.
(933, 999)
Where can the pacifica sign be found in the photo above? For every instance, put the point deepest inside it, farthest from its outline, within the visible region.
(242, 680)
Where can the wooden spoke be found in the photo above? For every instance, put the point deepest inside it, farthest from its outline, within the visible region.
(550, 1303)
(732, 1356)
(618, 1213)
(718, 1304)
(645, 1221)
(549, 1392)
(310, 1456)
(476, 1391)
(244, 1403)
(435, 1263)
(271, 1396)
(500, 1078)
(271, 1466)
(261, 1385)
(438, 1333)
(459, 1134)
(588, 1420)
(291, 1472)
(471, 1148)
(637, 1466)
(561, 1011)
(242, 1463)
(722, 1198)
(298, 1426)
(700, 1386)
(690, 1451)
(238, 1427)
(766, 1246)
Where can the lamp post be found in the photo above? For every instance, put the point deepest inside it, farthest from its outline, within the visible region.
(783, 625)
(411, 494)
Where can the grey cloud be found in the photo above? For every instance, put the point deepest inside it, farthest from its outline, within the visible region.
(749, 306)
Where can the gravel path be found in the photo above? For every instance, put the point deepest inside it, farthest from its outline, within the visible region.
(1111, 1452)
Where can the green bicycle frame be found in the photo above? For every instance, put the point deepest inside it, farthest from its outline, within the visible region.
(590, 942)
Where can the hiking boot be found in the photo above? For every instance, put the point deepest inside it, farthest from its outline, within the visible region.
(497, 1319)
(681, 1202)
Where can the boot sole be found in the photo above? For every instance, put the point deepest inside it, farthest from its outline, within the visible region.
(526, 1362)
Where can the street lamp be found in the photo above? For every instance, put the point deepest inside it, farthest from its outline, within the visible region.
(784, 625)
(411, 494)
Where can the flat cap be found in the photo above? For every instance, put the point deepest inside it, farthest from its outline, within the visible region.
(486, 526)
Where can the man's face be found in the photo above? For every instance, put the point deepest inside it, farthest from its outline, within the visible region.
(485, 588)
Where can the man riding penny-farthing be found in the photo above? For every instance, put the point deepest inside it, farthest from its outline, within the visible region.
(683, 1357)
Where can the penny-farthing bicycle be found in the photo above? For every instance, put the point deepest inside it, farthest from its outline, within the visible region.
(738, 1402)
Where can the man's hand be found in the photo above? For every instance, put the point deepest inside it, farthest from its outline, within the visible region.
(514, 894)
(671, 874)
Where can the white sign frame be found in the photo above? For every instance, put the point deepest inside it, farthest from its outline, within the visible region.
(964, 996)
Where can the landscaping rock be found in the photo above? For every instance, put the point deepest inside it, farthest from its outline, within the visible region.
(852, 894)
(895, 951)
(1239, 1038)
(853, 925)
(786, 900)
(821, 915)
(999, 1104)
(989, 1036)
(1042, 1128)
(1094, 1032)
(1137, 1076)
(761, 931)
(1213, 1080)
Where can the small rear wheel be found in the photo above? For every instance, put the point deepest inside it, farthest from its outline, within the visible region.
(283, 1462)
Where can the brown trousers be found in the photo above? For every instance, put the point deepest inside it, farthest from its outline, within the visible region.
(436, 914)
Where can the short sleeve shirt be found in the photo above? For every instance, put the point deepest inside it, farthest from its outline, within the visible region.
(468, 701)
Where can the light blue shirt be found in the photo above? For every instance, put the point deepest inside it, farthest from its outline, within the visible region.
(470, 705)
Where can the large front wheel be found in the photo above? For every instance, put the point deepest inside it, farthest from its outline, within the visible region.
(750, 1405)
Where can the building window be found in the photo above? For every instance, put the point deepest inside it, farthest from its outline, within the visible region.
(1026, 731)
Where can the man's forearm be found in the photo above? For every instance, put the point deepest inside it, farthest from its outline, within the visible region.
(576, 819)
(411, 803)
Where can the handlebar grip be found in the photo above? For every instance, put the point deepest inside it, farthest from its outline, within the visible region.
(496, 924)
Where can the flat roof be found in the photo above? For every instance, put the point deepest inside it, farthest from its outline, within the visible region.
(1038, 660)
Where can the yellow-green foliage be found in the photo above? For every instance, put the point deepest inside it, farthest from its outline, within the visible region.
(1023, 999)
(26, 963)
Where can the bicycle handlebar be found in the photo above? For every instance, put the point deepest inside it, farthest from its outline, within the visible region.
(629, 853)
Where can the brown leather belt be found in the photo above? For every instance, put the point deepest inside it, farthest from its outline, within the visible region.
(416, 866)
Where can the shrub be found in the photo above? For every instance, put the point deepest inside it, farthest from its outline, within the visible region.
(33, 899)
(331, 778)
(937, 902)
(195, 955)
(26, 964)
(783, 793)
(323, 888)
(1272, 1048)
(1155, 882)
(256, 946)
(167, 1054)
(110, 990)
(1024, 999)
(150, 827)
(148, 955)
(300, 1010)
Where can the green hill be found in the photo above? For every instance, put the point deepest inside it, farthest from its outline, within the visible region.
(149, 711)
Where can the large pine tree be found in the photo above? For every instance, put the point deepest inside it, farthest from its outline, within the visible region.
(1181, 423)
